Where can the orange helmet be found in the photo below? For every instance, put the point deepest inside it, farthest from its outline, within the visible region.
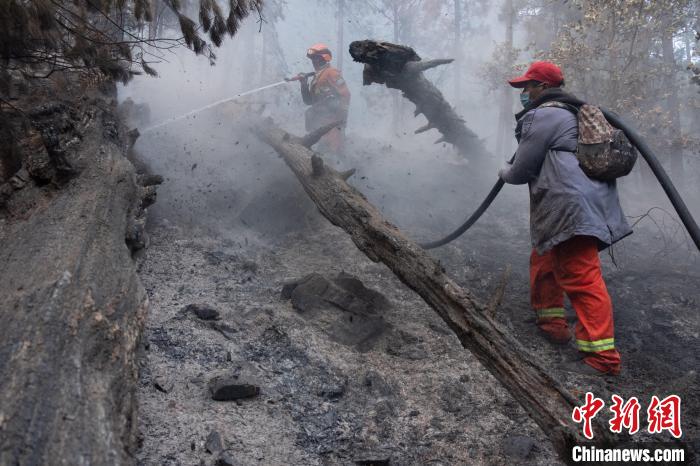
(320, 50)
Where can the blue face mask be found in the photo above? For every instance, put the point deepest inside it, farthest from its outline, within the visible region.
(525, 98)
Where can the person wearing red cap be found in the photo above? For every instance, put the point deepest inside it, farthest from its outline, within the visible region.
(540, 72)
(572, 217)
(328, 96)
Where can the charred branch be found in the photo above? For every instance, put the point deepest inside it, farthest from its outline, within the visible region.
(346, 174)
(399, 67)
(423, 129)
(419, 67)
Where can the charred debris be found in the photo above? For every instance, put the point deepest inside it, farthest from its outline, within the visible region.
(294, 348)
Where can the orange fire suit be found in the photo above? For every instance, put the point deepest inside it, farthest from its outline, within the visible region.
(329, 98)
(573, 267)
(572, 217)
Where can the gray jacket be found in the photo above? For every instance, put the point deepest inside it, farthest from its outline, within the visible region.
(564, 202)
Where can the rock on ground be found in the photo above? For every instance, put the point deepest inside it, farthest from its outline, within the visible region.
(410, 395)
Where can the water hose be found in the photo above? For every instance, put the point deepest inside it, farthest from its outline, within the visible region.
(659, 172)
(470, 221)
(643, 148)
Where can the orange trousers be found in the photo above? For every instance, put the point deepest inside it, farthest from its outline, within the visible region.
(333, 141)
(573, 267)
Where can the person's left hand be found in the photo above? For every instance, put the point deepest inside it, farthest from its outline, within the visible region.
(503, 170)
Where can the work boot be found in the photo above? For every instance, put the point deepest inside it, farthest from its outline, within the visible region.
(576, 356)
(583, 368)
(555, 330)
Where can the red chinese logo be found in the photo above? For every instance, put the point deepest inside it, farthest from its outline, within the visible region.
(665, 415)
(661, 415)
(624, 415)
(587, 412)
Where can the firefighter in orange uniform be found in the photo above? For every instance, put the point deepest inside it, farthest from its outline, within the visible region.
(328, 96)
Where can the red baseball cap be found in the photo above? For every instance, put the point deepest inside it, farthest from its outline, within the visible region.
(542, 71)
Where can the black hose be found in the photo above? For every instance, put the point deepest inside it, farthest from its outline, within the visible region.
(470, 221)
(642, 147)
(659, 172)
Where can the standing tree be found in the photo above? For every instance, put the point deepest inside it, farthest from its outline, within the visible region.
(272, 58)
(340, 16)
(505, 107)
(458, 47)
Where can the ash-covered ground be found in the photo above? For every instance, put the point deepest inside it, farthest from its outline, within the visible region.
(392, 385)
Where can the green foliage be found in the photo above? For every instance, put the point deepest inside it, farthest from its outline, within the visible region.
(622, 54)
(40, 37)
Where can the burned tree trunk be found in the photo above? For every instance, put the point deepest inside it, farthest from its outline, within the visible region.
(73, 307)
(399, 67)
(544, 399)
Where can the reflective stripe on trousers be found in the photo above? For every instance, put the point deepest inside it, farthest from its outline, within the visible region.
(573, 267)
(550, 312)
(596, 346)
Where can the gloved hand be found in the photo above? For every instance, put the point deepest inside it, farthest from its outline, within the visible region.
(300, 77)
(504, 170)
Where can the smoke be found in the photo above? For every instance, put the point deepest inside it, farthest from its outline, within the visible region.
(220, 178)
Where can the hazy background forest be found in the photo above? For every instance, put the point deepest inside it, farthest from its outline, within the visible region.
(636, 57)
(631, 56)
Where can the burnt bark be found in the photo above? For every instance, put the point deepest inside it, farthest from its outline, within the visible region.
(72, 306)
(399, 67)
(540, 394)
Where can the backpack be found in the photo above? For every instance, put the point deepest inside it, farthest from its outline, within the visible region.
(603, 152)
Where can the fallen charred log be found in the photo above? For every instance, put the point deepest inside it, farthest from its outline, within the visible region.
(399, 67)
(73, 307)
(542, 397)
